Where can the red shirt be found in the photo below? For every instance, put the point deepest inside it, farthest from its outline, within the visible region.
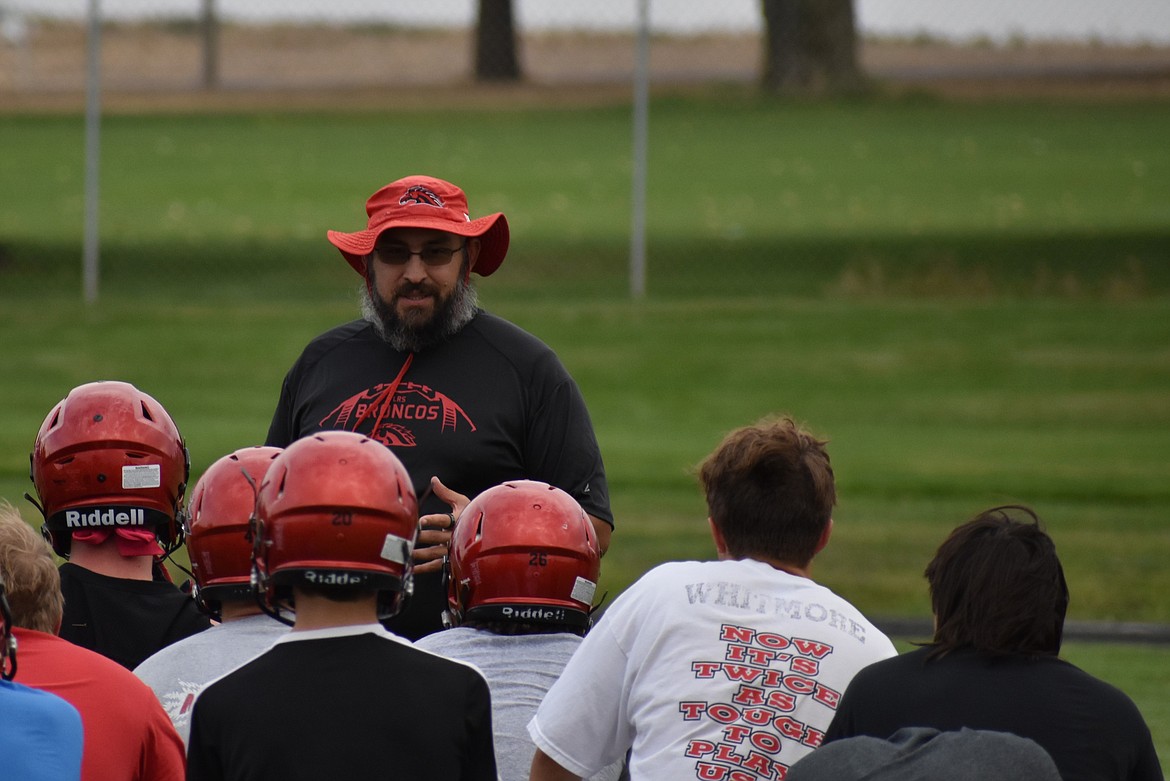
(128, 735)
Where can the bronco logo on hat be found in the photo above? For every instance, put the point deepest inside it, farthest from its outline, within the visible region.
(392, 206)
(420, 196)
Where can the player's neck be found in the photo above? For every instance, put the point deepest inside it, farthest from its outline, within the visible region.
(784, 566)
(317, 612)
(235, 609)
(104, 559)
(805, 571)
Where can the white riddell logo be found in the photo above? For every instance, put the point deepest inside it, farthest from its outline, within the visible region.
(75, 519)
(537, 613)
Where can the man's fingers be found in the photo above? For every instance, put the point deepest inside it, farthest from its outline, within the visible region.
(428, 566)
(433, 537)
(437, 521)
(429, 559)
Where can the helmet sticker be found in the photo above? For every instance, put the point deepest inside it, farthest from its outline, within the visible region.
(396, 549)
(141, 476)
(583, 590)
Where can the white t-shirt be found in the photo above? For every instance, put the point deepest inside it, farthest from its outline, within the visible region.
(725, 670)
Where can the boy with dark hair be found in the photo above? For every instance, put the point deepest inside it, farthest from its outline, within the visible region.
(997, 586)
(719, 669)
(999, 599)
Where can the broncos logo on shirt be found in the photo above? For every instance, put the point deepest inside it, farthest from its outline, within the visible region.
(393, 415)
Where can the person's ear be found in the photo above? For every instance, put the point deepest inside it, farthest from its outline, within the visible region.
(473, 247)
(720, 542)
(825, 535)
(369, 275)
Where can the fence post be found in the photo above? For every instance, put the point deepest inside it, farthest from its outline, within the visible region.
(641, 126)
(209, 25)
(93, 151)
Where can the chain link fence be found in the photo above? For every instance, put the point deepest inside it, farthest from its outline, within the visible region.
(159, 54)
(163, 46)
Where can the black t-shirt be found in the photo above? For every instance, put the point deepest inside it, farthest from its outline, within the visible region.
(122, 619)
(352, 703)
(493, 403)
(1092, 730)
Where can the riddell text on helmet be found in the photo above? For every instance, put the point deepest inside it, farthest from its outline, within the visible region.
(534, 613)
(329, 578)
(76, 519)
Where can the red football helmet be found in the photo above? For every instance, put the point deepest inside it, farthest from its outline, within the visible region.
(217, 525)
(523, 551)
(110, 455)
(335, 509)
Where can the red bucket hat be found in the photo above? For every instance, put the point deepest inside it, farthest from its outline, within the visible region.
(424, 202)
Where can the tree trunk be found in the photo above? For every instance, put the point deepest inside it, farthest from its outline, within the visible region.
(495, 42)
(810, 47)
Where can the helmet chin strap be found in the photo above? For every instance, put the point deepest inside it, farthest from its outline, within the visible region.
(286, 616)
(390, 604)
(259, 585)
(46, 533)
(35, 503)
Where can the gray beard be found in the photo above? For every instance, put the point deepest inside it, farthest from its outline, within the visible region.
(449, 318)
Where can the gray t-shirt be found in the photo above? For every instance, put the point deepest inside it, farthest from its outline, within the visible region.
(519, 670)
(925, 754)
(180, 671)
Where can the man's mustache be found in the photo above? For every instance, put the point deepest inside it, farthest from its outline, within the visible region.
(410, 288)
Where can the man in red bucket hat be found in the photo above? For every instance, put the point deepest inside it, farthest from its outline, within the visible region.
(464, 398)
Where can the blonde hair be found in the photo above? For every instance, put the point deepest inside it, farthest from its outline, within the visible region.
(30, 574)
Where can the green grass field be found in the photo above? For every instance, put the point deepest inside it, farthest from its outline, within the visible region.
(971, 301)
